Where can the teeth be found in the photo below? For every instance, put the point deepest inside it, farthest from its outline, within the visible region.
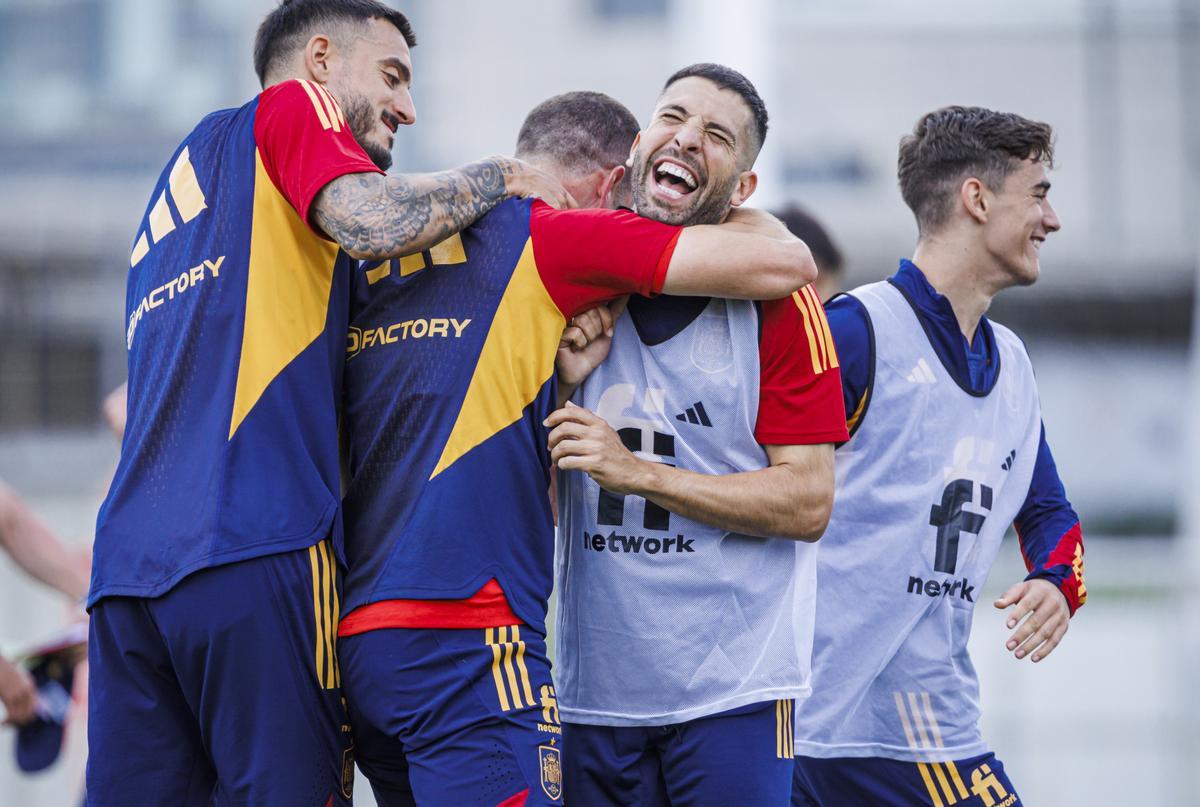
(678, 171)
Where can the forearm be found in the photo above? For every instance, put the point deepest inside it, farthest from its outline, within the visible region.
(374, 216)
(777, 501)
(725, 260)
(36, 550)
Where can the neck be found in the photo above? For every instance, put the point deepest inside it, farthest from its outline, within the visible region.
(953, 271)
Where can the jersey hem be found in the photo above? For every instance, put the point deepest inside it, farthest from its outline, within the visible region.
(810, 439)
(589, 718)
(273, 547)
(899, 753)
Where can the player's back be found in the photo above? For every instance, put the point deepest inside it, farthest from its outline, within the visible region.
(449, 375)
(230, 443)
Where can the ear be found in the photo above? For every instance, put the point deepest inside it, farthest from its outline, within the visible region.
(974, 198)
(633, 148)
(317, 58)
(609, 184)
(746, 184)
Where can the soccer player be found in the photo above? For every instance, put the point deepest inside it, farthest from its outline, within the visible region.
(214, 590)
(684, 556)
(947, 450)
(449, 533)
(830, 263)
(38, 552)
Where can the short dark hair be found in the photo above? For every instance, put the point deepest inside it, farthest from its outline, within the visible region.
(729, 79)
(953, 143)
(289, 25)
(581, 129)
(805, 226)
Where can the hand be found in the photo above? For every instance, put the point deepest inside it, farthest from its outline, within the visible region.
(1046, 615)
(525, 180)
(585, 343)
(114, 410)
(580, 440)
(18, 693)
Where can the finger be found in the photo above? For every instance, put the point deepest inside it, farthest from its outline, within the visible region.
(584, 415)
(566, 431)
(591, 322)
(1027, 629)
(569, 413)
(616, 308)
(606, 319)
(1037, 638)
(1009, 597)
(573, 337)
(1023, 606)
(572, 455)
(1048, 648)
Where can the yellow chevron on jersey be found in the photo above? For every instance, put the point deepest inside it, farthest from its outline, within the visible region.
(287, 293)
(527, 322)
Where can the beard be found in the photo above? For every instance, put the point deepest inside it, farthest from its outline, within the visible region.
(708, 204)
(361, 118)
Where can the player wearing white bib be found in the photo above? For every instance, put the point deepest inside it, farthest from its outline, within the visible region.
(947, 449)
(679, 651)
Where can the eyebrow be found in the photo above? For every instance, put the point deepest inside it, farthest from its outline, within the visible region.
(401, 67)
(709, 125)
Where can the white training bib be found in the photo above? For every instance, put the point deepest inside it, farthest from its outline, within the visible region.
(662, 619)
(926, 489)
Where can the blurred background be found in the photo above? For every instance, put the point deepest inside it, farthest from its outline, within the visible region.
(97, 93)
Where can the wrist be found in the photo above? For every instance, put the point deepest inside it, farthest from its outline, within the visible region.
(646, 478)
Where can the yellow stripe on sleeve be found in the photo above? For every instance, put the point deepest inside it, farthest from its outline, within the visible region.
(331, 106)
(827, 335)
(317, 105)
(808, 330)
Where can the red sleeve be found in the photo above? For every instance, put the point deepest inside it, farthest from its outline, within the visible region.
(304, 141)
(587, 257)
(800, 385)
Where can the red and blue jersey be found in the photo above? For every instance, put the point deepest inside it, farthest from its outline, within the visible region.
(1047, 525)
(235, 322)
(449, 375)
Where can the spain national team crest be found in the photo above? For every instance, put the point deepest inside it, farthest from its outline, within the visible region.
(712, 349)
(550, 762)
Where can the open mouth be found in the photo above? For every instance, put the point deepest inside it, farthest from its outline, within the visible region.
(390, 121)
(674, 180)
(1037, 242)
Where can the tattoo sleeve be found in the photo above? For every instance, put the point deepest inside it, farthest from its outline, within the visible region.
(374, 216)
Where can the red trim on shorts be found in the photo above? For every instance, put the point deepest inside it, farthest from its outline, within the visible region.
(515, 801)
(486, 608)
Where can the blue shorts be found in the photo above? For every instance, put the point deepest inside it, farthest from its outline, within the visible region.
(222, 691)
(454, 717)
(743, 756)
(871, 781)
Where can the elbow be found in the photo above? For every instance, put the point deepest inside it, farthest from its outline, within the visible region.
(807, 523)
(796, 269)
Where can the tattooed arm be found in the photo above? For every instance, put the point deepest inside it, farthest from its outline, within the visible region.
(375, 216)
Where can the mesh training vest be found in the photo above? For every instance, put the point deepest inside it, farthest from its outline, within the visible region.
(661, 619)
(926, 489)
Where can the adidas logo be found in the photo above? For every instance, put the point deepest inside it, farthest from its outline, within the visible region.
(1007, 464)
(695, 414)
(921, 374)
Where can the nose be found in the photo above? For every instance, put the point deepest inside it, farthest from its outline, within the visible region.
(1050, 218)
(404, 108)
(689, 136)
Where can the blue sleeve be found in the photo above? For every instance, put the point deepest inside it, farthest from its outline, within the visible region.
(854, 340)
(1049, 532)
